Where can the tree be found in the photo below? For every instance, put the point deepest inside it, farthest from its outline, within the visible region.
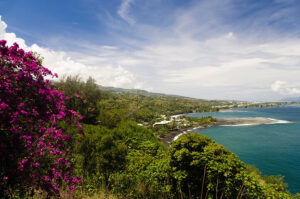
(102, 153)
(204, 169)
(34, 146)
(83, 96)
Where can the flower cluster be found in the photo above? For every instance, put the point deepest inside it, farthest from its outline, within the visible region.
(34, 147)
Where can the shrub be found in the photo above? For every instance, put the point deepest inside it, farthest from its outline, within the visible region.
(34, 147)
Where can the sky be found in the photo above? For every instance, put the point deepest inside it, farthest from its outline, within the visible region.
(208, 49)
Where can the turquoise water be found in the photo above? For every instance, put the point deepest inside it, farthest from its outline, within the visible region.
(273, 148)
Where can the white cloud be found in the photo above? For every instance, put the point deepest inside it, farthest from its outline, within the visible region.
(62, 63)
(124, 11)
(10, 37)
(284, 88)
(227, 66)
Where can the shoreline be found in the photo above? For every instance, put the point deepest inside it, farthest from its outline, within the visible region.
(173, 135)
(170, 136)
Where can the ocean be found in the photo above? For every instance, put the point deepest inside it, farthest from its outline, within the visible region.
(273, 148)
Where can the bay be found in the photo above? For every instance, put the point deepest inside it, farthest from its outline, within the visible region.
(273, 148)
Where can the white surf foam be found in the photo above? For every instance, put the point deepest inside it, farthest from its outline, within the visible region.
(231, 111)
(187, 131)
(240, 124)
(276, 121)
(177, 136)
(260, 121)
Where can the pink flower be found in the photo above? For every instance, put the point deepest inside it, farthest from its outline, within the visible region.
(73, 188)
(24, 112)
(30, 109)
(47, 178)
(3, 106)
(76, 95)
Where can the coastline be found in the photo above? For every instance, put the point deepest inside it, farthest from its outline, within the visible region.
(170, 136)
(173, 135)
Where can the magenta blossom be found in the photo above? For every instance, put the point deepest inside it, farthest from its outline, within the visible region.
(34, 147)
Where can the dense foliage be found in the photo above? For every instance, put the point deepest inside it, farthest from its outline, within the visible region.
(126, 160)
(130, 162)
(34, 149)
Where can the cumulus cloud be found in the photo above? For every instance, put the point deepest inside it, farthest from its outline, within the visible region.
(10, 37)
(62, 63)
(124, 11)
(284, 88)
(225, 66)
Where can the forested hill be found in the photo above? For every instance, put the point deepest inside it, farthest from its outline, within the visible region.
(132, 104)
(153, 94)
(215, 104)
(124, 90)
(139, 92)
(121, 154)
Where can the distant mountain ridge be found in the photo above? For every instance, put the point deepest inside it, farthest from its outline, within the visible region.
(148, 94)
(124, 90)
(142, 92)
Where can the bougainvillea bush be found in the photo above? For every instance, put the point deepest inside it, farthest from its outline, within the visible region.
(34, 146)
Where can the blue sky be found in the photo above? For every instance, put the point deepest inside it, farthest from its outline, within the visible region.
(213, 49)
